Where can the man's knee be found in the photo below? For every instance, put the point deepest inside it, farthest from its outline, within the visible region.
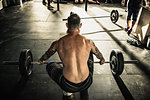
(54, 70)
(49, 66)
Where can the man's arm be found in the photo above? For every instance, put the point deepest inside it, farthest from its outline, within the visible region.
(50, 51)
(97, 53)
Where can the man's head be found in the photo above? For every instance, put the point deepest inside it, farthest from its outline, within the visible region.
(73, 21)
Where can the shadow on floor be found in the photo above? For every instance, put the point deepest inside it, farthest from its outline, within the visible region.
(18, 88)
(124, 90)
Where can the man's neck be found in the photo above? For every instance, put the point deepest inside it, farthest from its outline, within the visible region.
(73, 32)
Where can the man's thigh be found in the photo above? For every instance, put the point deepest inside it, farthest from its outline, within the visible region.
(130, 12)
(55, 71)
(135, 15)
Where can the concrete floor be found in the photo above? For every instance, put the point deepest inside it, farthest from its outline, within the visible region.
(33, 26)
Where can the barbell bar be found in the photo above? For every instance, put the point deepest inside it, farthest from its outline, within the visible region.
(46, 62)
(114, 16)
(26, 62)
(37, 63)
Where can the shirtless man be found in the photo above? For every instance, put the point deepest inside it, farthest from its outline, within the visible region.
(75, 52)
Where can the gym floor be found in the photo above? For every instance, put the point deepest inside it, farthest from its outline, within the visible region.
(35, 27)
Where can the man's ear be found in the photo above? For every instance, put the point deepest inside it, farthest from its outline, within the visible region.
(80, 25)
(67, 25)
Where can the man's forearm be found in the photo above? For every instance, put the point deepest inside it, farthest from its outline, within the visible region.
(47, 54)
(98, 54)
(50, 51)
(44, 57)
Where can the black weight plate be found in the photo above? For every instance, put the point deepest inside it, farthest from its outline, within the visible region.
(117, 15)
(25, 59)
(117, 65)
(114, 16)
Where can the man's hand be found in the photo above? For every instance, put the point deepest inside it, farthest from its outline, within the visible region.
(102, 61)
(41, 62)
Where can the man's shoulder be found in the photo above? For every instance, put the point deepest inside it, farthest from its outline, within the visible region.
(62, 38)
(81, 36)
(65, 36)
(86, 39)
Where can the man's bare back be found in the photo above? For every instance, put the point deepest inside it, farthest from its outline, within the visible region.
(74, 50)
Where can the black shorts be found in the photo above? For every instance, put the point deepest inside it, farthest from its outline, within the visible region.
(132, 13)
(55, 71)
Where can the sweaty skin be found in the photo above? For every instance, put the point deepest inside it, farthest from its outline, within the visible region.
(73, 50)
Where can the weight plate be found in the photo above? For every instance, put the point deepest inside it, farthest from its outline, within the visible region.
(91, 62)
(117, 15)
(114, 63)
(114, 16)
(25, 59)
(117, 62)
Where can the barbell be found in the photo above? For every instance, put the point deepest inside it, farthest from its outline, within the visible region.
(26, 62)
(114, 16)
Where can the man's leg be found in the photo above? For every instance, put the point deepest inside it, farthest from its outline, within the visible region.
(84, 95)
(128, 24)
(55, 71)
(135, 15)
(128, 20)
(111, 1)
(81, 1)
(44, 2)
(91, 1)
(130, 30)
(94, 2)
(76, 1)
(49, 5)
